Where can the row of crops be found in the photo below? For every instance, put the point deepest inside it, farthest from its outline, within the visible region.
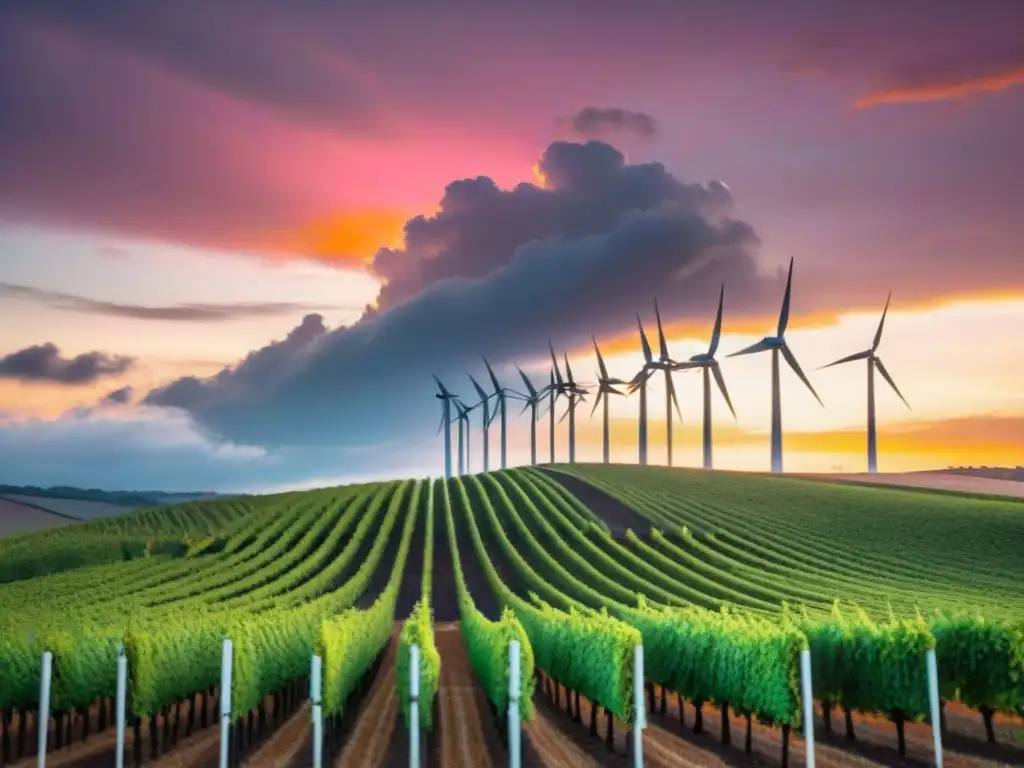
(585, 597)
(722, 602)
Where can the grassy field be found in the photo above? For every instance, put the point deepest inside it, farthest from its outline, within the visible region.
(723, 578)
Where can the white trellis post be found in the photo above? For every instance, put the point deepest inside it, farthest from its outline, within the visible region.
(639, 716)
(933, 704)
(414, 706)
(122, 707)
(225, 703)
(808, 702)
(43, 722)
(316, 699)
(514, 686)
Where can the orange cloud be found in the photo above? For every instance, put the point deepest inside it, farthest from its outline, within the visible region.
(990, 439)
(991, 83)
(350, 237)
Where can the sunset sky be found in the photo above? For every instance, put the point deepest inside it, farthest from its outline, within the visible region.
(237, 238)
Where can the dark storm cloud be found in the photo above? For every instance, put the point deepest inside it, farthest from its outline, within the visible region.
(494, 272)
(121, 396)
(479, 226)
(597, 122)
(199, 312)
(43, 362)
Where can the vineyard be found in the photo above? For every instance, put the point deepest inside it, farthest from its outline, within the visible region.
(724, 580)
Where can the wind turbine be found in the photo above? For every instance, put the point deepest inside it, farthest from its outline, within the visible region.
(777, 344)
(485, 402)
(462, 417)
(501, 394)
(874, 361)
(710, 367)
(666, 364)
(639, 382)
(532, 401)
(576, 394)
(446, 417)
(558, 388)
(605, 388)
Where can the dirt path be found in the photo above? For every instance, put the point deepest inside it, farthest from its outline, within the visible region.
(376, 728)
(287, 746)
(464, 730)
(550, 746)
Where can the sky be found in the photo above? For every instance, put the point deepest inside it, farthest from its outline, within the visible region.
(236, 239)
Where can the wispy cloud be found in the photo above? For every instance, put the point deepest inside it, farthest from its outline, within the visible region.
(43, 362)
(943, 90)
(198, 312)
(598, 122)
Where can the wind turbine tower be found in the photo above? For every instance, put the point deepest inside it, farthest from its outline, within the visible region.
(777, 344)
(710, 367)
(605, 388)
(502, 394)
(446, 418)
(532, 402)
(576, 394)
(874, 362)
(639, 382)
(487, 417)
(666, 364)
(559, 388)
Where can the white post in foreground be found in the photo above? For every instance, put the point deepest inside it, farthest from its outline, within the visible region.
(225, 703)
(639, 716)
(43, 721)
(933, 704)
(122, 698)
(316, 699)
(514, 686)
(808, 700)
(414, 706)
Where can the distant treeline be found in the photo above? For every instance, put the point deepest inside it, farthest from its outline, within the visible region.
(123, 498)
(996, 473)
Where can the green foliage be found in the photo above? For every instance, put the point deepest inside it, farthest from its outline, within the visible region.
(488, 641)
(589, 652)
(349, 643)
(750, 663)
(871, 667)
(419, 630)
(981, 662)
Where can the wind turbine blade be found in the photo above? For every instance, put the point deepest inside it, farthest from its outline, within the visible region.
(597, 401)
(600, 359)
(878, 333)
(567, 412)
(568, 370)
(614, 391)
(784, 314)
(529, 385)
(663, 347)
(716, 369)
(716, 334)
(648, 357)
(554, 362)
(687, 366)
(849, 359)
(443, 388)
(888, 378)
(752, 349)
(525, 406)
(791, 359)
(490, 372)
(479, 389)
(492, 415)
(441, 425)
(675, 400)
